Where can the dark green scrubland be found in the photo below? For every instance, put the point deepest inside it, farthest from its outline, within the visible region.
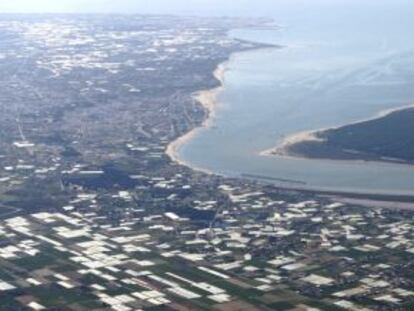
(389, 138)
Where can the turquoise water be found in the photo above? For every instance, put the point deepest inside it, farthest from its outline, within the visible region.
(335, 68)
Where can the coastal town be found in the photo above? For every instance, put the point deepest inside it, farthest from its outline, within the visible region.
(97, 213)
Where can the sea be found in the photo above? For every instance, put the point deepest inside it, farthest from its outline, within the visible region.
(338, 64)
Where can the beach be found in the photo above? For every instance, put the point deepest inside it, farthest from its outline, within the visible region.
(208, 99)
(283, 148)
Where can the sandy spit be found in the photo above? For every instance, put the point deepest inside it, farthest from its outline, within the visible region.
(282, 149)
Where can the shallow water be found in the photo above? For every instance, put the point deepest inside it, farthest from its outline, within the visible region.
(333, 70)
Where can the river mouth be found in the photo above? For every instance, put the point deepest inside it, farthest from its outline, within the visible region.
(317, 81)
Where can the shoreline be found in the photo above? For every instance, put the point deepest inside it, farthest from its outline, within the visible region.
(282, 149)
(208, 100)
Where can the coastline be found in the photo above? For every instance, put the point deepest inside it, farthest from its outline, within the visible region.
(208, 99)
(175, 148)
(282, 149)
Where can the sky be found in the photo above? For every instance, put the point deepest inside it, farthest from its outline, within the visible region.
(216, 7)
(253, 8)
(204, 7)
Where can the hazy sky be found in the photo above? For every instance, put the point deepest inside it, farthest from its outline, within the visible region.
(139, 6)
(215, 7)
(199, 7)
